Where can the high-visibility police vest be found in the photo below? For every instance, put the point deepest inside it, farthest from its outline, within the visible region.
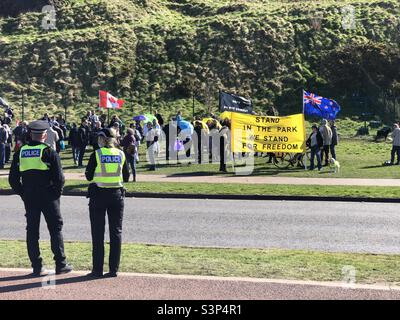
(30, 158)
(108, 173)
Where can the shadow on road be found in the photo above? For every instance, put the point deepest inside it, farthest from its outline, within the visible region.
(41, 283)
(16, 278)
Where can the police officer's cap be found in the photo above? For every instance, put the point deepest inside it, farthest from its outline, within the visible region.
(39, 126)
(107, 132)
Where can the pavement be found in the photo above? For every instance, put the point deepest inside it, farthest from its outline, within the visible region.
(334, 226)
(331, 181)
(15, 284)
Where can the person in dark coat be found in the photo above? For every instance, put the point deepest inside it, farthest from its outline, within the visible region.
(74, 142)
(60, 137)
(160, 119)
(94, 135)
(83, 140)
(20, 135)
(36, 175)
(198, 140)
(315, 143)
(130, 150)
(141, 131)
(335, 139)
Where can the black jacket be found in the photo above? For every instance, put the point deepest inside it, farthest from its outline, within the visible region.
(74, 136)
(37, 182)
(160, 119)
(334, 136)
(320, 141)
(83, 136)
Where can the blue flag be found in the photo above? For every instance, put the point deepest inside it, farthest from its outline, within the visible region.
(319, 106)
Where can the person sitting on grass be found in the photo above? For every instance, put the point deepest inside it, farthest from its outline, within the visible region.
(315, 143)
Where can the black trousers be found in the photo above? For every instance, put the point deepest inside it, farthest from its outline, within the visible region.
(82, 150)
(51, 211)
(8, 153)
(395, 151)
(111, 202)
(222, 160)
(187, 145)
(325, 152)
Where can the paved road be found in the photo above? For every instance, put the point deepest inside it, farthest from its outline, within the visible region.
(336, 226)
(14, 284)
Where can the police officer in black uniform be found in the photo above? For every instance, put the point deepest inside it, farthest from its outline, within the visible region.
(107, 169)
(36, 175)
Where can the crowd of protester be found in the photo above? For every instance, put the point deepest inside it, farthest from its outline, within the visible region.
(204, 140)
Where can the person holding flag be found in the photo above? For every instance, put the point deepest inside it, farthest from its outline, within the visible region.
(327, 109)
(108, 101)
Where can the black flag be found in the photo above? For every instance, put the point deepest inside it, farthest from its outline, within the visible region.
(234, 103)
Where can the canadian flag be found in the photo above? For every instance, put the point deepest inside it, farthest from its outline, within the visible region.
(108, 101)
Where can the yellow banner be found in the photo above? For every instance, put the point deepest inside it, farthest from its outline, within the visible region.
(268, 134)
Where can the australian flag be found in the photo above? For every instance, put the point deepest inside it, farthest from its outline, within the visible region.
(319, 106)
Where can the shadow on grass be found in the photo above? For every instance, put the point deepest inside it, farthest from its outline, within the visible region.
(73, 167)
(198, 174)
(76, 187)
(375, 167)
(323, 172)
(275, 171)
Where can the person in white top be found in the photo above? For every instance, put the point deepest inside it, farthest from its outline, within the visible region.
(151, 139)
(157, 130)
(52, 138)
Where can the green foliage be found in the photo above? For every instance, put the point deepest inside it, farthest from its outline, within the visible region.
(158, 53)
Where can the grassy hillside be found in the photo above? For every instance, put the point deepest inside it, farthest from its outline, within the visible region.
(157, 53)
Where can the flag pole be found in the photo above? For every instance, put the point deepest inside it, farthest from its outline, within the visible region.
(305, 135)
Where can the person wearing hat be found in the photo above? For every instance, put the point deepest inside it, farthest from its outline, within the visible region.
(36, 175)
(107, 170)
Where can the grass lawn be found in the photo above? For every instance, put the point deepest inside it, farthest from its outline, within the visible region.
(359, 158)
(258, 263)
(244, 189)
